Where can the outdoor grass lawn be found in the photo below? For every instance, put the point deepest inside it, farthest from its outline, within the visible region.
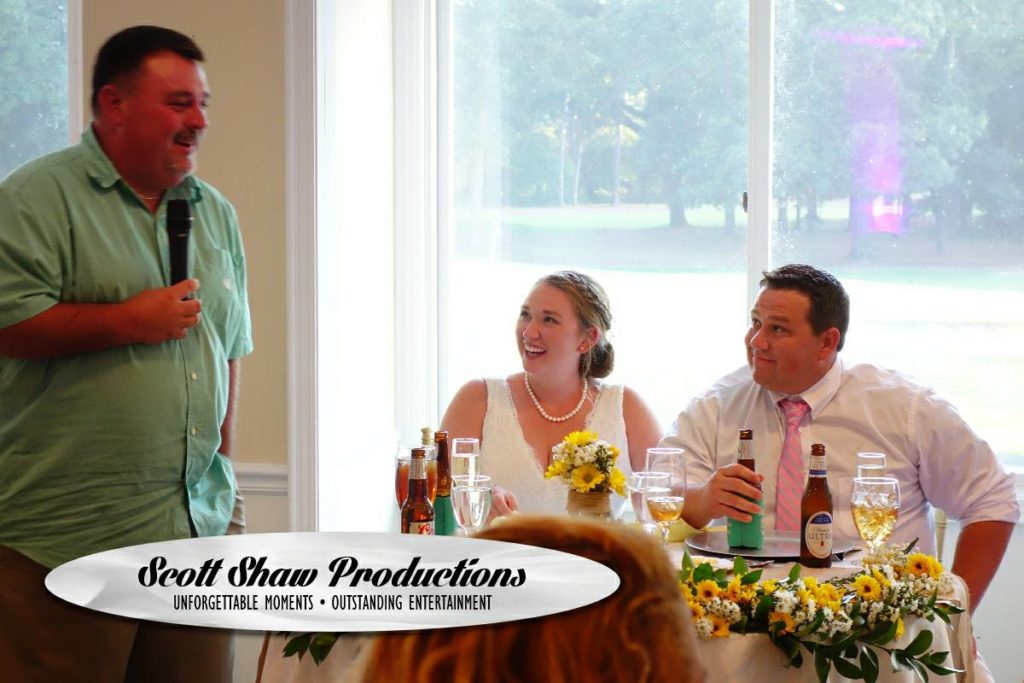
(958, 328)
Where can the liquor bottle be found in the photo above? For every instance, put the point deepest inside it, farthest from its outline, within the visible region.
(444, 515)
(747, 534)
(816, 514)
(417, 512)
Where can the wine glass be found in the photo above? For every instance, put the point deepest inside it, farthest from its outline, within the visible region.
(665, 501)
(402, 460)
(465, 456)
(875, 502)
(471, 501)
(637, 487)
(871, 464)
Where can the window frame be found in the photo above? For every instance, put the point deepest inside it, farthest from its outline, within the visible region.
(420, 176)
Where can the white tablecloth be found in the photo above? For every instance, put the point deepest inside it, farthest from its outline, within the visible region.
(742, 658)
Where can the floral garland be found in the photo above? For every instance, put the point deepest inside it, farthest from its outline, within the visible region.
(843, 622)
(586, 464)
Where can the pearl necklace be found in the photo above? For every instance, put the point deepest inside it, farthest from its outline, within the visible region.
(540, 408)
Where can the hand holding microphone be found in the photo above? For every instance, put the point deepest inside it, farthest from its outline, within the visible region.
(157, 315)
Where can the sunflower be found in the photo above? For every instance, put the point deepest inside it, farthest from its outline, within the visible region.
(769, 586)
(920, 564)
(696, 610)
(899, 628)
(828, 596)
(556, 469)
(734, 591)
(788, 623)
(580, 438)
(867, 587)
(707, 590)
(586, 477)
(617, 481)
(721, 625)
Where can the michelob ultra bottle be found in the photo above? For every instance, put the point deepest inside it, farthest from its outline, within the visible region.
(417, 512)
(816, 514)
(746, 534)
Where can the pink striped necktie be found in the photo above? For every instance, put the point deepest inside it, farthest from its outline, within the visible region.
(789, 487)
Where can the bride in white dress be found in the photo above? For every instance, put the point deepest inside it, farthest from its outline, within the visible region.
(562, 338)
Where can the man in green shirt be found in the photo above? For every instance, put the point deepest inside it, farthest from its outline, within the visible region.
(116, 390)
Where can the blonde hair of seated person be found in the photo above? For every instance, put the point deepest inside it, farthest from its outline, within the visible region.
(642, 633)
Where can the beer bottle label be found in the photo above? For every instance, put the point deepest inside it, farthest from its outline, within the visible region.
(427, 529)
(817, 466)
(818, 534)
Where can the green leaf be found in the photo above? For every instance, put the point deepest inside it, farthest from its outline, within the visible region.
(910, 546)
(791, 649)
(822, 666)
(751, 577)
(764, 606)
(297, 645)
(321, 646)
(919, 669)
(886, 635)
(869, 664)
(898, 660)
(687, 568)
(703, 572)
(941, 613)
(812, 627)
(739, 566)
(940, 670)
(794, 573)
(847, 668)
(920, 644)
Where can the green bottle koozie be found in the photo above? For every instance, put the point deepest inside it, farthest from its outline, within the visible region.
(444, 517)
(746, 534)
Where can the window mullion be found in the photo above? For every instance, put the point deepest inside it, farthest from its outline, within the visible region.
(759, 142)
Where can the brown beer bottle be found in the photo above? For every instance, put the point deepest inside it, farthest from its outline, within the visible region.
(417, 512)
(816, 514)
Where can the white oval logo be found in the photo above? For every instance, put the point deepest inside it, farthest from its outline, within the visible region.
(332, 582)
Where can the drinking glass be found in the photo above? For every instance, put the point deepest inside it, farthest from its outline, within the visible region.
(637, 487)
(871, 464)
(471, 501)
(665, 501)
(465, 455)
(402, 473)
(875, 502)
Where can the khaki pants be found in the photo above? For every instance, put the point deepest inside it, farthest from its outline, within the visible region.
(45, 639)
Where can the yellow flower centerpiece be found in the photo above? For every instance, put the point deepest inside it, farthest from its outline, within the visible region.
(587, 465)
(843, 623)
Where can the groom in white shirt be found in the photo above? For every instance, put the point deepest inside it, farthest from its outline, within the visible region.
(798, 326)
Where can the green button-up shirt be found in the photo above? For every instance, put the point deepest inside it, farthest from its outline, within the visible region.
(115, 447)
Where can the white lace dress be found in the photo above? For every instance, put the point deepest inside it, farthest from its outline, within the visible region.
(509, 460)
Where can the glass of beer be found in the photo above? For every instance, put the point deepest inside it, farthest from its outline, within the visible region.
(471, 501)
(871, 464)
(875, 502)
(402, 473)
(665, 498)
(637, 487)
(464, 455)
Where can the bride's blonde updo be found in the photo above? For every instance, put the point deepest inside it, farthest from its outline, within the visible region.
(593, 310)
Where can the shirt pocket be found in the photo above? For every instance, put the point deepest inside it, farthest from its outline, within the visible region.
(218, 286)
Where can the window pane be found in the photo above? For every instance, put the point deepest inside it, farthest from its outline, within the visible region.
(608, 137)
(900, 167)
(33, 80)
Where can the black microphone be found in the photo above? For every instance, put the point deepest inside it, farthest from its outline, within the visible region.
(179, 223)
